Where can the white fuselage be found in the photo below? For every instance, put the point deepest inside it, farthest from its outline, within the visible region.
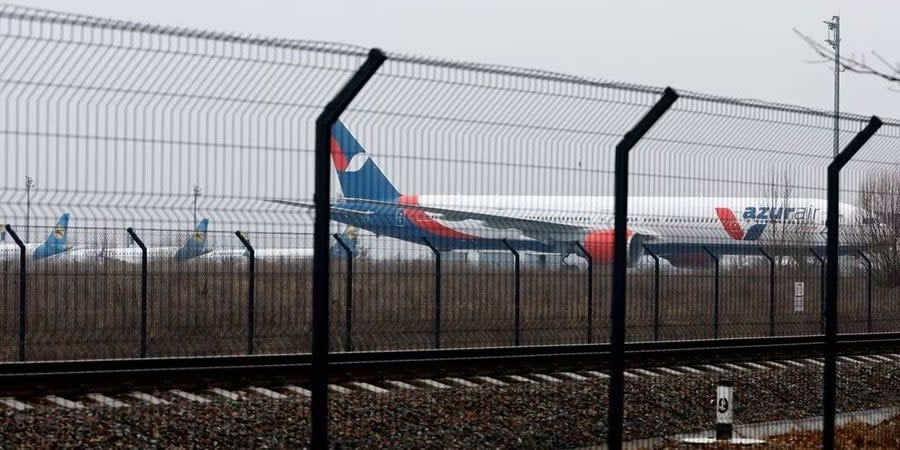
(670, 218)
(261, 254)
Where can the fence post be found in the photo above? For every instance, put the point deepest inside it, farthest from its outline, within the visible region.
(143, 248)
(590, 293)
(868, 290)
(437, 291)
(821, 290)
(321, 270)
(251, 289)
(518, 300)
(655, 292)
(832, 273)
(348, 286)
(771, 291)
(22, 291)
(715, 293)
(616, 405)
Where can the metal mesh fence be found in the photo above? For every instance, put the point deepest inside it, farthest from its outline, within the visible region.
(472, 208)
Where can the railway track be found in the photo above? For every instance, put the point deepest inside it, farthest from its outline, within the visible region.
(78, 378)
(126, 395)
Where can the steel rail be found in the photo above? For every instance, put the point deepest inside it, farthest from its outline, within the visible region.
(26, 379)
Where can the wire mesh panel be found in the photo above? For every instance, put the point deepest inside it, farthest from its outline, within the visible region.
(740, 210)
(867, 400)
(472, 211)
(116, 124)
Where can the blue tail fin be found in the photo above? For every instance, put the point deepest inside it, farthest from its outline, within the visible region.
(358, 174)
(56, 241)
(196, 244)
(349, 238)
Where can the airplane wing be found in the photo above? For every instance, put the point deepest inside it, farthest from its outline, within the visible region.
(536, 229)
(312, 206)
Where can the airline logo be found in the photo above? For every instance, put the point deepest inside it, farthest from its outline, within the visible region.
(735, 230)
(345, 163)
(59, 232)
(775, 214)
(198, 236)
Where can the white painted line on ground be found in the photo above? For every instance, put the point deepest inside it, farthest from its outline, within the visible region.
(336, 388)
(148, 398)
(432, 383)
(227, 394)
(268, 392)
(462, 382)
(543, 377)
(669, 371)
(644, 372)
(299, 390)
(714, 368)
(775, 364)
(690, 369)
(520, 379)
(573, 376)
(594, 373)
(754, 365)
(868, 359)
(491, 380)
(370, 387)
(189, 396)
(15, 404)
(63, 402)
(107, 401)
(400, 384)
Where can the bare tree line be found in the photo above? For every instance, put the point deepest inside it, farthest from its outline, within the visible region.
(879, 203)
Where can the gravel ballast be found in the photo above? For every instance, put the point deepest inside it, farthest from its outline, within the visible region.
(525, 415)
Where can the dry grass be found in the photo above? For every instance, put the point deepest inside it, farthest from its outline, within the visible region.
(200, 307)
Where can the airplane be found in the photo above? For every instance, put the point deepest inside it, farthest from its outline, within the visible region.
(349, 237)
(55, 244)
(682, 230)
(194, 247)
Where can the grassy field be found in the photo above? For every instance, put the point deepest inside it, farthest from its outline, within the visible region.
(77, 311)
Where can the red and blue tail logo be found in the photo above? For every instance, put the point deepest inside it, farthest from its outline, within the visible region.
(359, 176)
(735, 230)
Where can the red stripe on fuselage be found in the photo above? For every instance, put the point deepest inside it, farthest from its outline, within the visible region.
(730, 222)
(420, 219)
(338, 156)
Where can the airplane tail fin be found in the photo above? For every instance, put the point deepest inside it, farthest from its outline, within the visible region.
(358, 174)
(56, 240)
(349, 238)
(196, 244)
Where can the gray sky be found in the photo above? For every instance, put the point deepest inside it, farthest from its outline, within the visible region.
(745, 50)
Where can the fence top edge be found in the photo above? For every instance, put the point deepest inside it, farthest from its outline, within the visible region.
(12, 11)
(18, 12)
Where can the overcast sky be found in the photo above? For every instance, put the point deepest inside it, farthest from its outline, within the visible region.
(745, 50)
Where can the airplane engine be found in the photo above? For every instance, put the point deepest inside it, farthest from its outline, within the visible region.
(599, 245)
(690, 260)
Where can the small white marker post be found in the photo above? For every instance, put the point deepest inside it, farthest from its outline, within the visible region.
(724, 419)
(724, 410)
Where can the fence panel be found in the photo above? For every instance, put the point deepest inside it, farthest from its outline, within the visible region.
(738, 192)
(471, 208)
(866, 399)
